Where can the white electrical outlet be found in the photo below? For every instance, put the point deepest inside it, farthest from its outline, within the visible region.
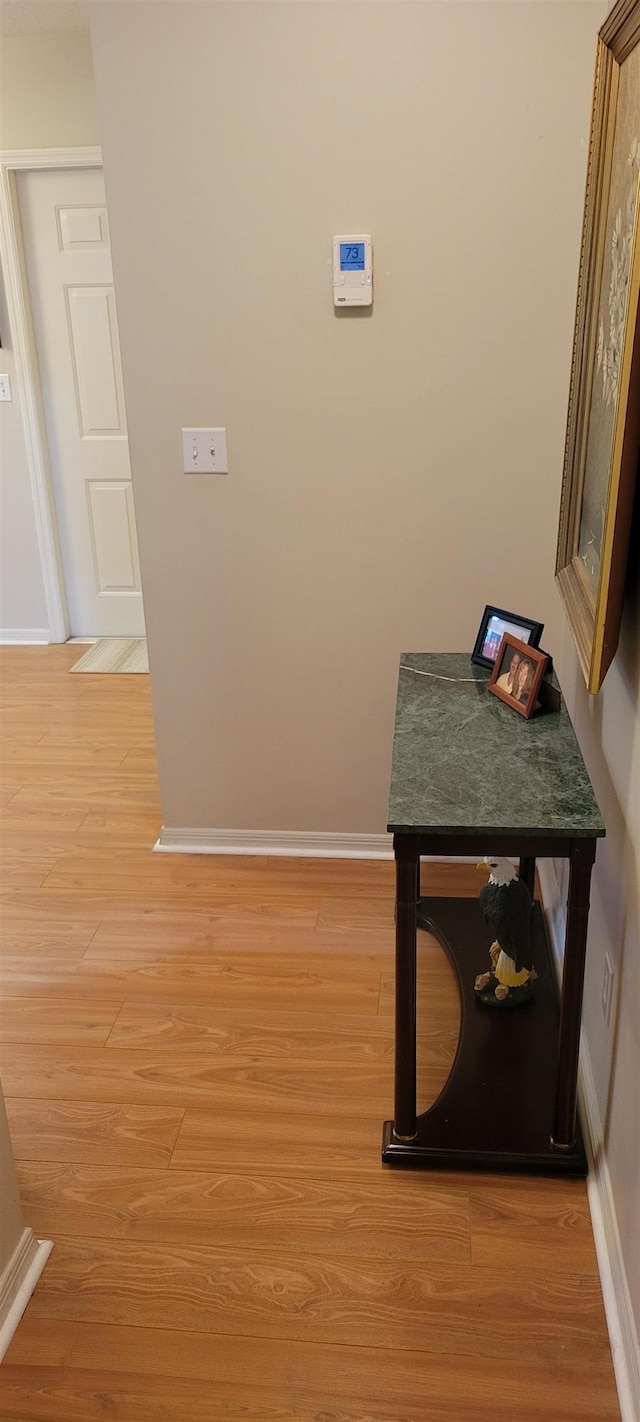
(5, 388)
(607, 989)
(204, 451)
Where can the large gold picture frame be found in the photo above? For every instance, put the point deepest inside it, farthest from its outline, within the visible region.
(603, 426)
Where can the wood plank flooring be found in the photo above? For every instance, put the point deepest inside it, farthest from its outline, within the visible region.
(197, 1056)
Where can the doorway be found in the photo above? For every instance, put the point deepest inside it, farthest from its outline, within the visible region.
(67, 256)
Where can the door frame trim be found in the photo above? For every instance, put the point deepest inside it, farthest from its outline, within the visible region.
(28, 381)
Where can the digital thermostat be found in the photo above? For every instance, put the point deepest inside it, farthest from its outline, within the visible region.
(353, 270)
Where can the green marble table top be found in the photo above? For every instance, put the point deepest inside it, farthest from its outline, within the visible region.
(464, 762)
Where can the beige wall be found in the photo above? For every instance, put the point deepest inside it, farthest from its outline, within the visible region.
(608, 728)
(47, 91)
(11, 1220)
(391, 474)
(46, 101)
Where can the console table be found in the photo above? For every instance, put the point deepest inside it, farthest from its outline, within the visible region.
(471, 777)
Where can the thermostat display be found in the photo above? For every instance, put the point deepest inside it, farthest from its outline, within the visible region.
(352, 270)
(352, 256)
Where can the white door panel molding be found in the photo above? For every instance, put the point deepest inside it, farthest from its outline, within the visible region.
(95, 361)
(113, 537)
(82, 229)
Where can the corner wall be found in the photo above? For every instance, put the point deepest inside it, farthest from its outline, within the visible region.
(11, 1218)
(608, 728)
(22, 1256)
(390, 474)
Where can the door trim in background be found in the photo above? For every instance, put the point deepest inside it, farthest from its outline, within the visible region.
(22, 344)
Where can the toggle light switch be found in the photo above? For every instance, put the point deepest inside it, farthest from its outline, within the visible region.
(204, 451)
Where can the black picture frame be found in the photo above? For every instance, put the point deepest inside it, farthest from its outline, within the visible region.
(510, 622)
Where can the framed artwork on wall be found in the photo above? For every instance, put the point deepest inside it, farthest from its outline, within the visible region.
(603, 426)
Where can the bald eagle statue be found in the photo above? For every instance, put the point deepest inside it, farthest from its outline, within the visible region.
(507, 908)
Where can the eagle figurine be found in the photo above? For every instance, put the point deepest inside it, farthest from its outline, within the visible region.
(507, 908)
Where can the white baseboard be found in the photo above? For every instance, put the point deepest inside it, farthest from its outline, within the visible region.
(623, 1334)
(293, 843)
(24, 636)
(18, 1283)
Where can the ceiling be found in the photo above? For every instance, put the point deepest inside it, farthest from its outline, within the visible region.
(38, 17)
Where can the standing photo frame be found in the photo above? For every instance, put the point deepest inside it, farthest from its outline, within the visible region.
(517, 675)
(603, 425)
(495, 622)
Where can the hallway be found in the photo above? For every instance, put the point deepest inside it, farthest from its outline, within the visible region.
(197, 1060)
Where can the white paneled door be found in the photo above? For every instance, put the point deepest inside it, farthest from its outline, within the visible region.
(66, 241)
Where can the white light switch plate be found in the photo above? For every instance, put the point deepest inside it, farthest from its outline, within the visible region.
(204, 451)
(5, 388)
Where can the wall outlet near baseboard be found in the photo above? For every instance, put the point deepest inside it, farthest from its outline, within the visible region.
(607, 988)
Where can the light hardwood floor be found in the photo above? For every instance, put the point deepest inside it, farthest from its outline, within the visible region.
(197, 1059)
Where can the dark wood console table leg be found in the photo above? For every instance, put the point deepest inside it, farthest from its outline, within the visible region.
(405, 848)
(583, 853)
